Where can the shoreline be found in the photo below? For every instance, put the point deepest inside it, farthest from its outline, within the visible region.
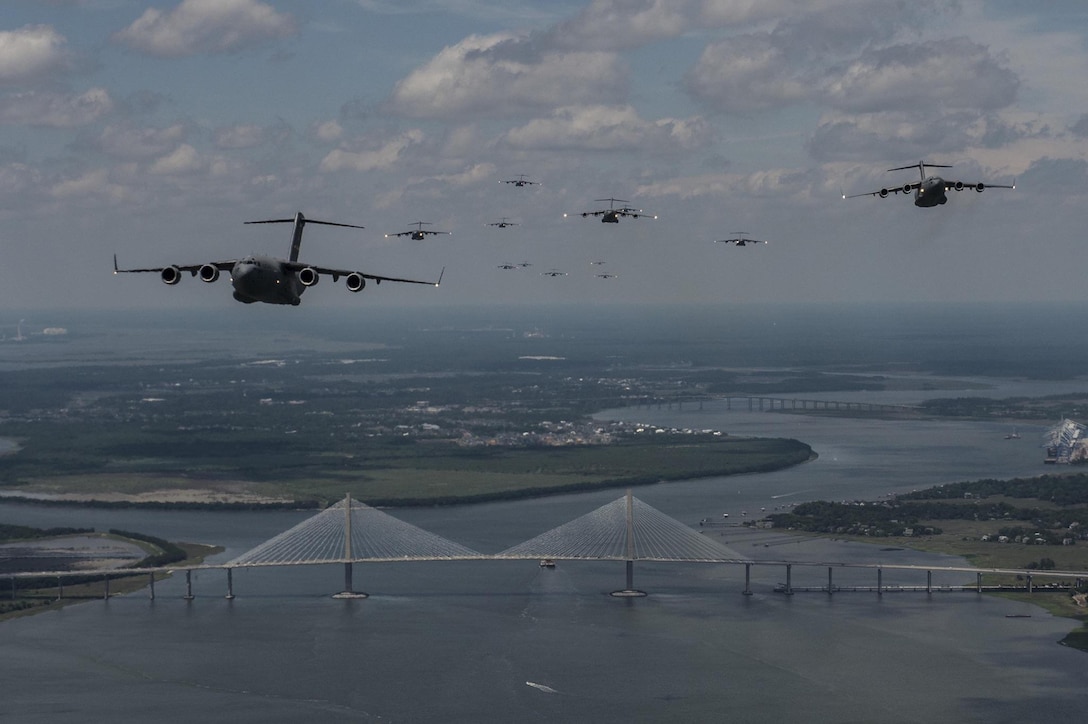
(208, 499)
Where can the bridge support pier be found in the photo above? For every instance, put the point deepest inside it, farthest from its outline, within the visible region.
(60, 588)
(880, 581)
(230, 584)
(978, 583)
(789, 579)
(349, 591)
(151, 586)
(830, 585)
(929, 581)
(747, 579)
(630, 591)
(188, 586)
(106, 588)
(1028, 587)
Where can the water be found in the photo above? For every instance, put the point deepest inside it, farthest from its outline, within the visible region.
(509, 641)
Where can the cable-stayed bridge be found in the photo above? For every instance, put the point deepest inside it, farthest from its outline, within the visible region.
(627, 530)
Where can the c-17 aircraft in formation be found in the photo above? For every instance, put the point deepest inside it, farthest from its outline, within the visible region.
(740, 240)
(269, 279)
(929, 190)
(521, 181)
(418, 233)
(502, 223)
(612, 215)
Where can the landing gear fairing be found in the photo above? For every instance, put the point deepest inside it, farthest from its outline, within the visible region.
(268, 279)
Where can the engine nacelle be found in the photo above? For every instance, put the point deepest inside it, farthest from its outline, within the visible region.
(308, 276)
(979, 186)
(355, 282)
(906, 188)
(883, 193)
(170, 275)
(208, 273)
(958, 185)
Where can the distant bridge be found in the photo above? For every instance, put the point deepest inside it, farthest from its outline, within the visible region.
(626, 530)
(763, 403)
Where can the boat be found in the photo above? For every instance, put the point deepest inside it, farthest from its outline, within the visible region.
(547, 563)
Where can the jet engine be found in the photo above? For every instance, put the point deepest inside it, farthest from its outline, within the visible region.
(979, 186)
(906, 188)
(883, 193)
(355, 282)
(208, 273)
(308, 276)
(170, 275)
(958, 185)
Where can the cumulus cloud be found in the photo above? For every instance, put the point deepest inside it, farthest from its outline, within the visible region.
(328, 131)
(371, 159)
(30, 52)
(505, 74)
(184, 159)
(243, 135)
(1080, 127)
(607, 128)
(127, 142)
(205, 26)
(55, 110)
(1056, 175)
(745, 74)
(625, 24)
(95, 183)
(620, 24)
(896, 135)
(956, 73)
(769, 183)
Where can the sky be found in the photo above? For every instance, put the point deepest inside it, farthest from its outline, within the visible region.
(152, 129)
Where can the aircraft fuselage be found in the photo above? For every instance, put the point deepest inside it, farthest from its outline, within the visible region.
(930, 192)
(610, 217)
(264, 279)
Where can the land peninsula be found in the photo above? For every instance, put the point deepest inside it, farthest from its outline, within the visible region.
(1035, 524)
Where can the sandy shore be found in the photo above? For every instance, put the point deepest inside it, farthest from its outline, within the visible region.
(173, 495)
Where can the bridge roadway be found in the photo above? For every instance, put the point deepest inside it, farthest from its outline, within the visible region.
(1028, 575)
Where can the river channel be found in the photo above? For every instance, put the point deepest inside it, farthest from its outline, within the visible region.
(510, 641)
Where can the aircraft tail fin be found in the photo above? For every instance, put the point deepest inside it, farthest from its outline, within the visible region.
(921, 166)
(300, 222)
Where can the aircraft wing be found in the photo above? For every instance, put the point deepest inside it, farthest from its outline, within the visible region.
(378, 278)
(191, 268)
(978, 186)
(904, 189)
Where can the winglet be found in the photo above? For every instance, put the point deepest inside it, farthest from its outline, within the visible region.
(437, 283)
(115, 269)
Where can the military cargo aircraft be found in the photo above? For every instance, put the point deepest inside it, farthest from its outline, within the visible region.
(269, 279)
(929, 190)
